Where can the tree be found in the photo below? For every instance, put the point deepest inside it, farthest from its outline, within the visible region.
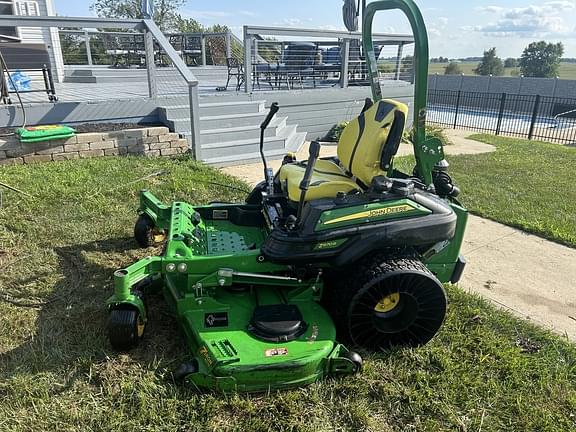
(164, 10)
(490, 64)
(187, 25)
(541, 59)
(453, 68)
(511, 63)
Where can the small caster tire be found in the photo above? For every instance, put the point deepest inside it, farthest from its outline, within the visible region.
(145, 232)
(184, 370)
(125, 328)
(355, 358)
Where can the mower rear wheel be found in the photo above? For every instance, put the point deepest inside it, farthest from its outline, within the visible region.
(388, 303)
(125, 328)
(146, 233)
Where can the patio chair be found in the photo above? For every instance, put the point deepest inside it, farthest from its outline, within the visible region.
(176, 40)
(331, 62)
(235, 69)
(139, 50)
(299, 59)
(191, 49)
(118, 49)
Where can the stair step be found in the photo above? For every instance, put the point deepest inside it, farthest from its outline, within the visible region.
(275, 128)
(182, 110)
(240, 147)
(232, 120)
(295, 142)
(245, 158)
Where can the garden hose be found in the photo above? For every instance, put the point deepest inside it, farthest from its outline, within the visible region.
(4, 185)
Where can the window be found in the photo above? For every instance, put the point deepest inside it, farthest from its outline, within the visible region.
(8, 34)
(27, 8)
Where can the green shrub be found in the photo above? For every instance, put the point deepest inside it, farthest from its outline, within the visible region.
(334, 133)
(431, 132)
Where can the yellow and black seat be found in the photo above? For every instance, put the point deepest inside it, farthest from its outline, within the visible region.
(365, 150)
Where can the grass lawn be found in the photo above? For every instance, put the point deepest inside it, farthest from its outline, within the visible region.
(526, 184)
(486, 370)
(566, 71)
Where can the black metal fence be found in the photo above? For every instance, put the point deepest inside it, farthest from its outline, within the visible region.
(526, 116)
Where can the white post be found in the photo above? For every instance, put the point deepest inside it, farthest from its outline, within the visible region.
(195, 145)
(203, 49)
(150, 66)
(345, 57)
(88, 48)
(247, 61)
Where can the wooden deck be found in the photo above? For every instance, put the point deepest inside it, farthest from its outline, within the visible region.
(84, 84)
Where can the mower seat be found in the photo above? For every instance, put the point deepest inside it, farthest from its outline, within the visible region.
(365, 150)
(328, 179)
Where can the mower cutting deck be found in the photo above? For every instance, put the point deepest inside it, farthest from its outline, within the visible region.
(326, 250)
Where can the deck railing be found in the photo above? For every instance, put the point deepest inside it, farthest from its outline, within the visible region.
(176, 80)
(280, 56)
(90, 47)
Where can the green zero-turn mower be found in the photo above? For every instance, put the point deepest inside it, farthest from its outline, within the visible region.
(327, 250)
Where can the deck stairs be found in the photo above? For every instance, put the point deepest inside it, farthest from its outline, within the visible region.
(230, 130)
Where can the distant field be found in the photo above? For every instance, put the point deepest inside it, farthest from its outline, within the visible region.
(567, 70)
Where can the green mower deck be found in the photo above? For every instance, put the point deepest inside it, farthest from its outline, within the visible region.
(213, 276)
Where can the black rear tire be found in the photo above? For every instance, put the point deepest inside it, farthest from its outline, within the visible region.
(386, 303)
(125, 328)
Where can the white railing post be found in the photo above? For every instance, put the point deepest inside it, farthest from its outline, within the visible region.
(247, 61)
(150, 66)
(195, 145)
(399, 61)
(88, 48)
(345, 56)
(228, 45)
(203, 49)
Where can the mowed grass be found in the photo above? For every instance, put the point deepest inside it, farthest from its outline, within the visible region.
(486, 370)
(566, 71)
(525, 184)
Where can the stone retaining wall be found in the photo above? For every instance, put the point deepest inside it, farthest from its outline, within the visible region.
(152, 141)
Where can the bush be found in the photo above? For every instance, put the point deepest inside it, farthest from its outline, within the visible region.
(431, 132)
(334, 133)
(453, 68)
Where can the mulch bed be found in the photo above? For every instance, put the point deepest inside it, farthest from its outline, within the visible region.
(96, 127)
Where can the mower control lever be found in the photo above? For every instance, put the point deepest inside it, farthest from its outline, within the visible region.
(273, 110)
(268, 173)
(305, 183)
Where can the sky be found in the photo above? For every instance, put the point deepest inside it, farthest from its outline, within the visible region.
(456, 28)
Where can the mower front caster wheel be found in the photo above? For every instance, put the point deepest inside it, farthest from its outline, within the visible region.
(355, 358)
(185, 369)
(146, 233)
(125, 328)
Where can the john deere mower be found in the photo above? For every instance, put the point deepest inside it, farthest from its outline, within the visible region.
(323, 252)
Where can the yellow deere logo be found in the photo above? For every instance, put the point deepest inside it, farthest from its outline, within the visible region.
(373, 213)
(327, 245)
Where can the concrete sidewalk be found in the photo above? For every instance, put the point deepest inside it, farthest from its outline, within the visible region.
(530, 276)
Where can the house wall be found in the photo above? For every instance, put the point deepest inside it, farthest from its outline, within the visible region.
(48, 36)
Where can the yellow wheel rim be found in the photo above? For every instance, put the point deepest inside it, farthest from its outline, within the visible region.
(158, 236)
(387, 303)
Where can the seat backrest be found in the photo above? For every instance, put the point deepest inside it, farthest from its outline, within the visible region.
(370, 141)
